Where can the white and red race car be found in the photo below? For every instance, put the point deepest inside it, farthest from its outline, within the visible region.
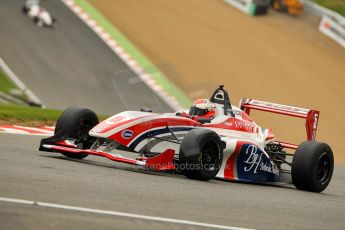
(40, 16)
(229, 146)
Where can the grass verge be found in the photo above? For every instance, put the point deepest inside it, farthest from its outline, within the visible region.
(25, 115)
(30, 116)
(335, 5)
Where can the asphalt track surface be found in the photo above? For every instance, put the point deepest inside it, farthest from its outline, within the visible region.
(69, 65)
(101, 184)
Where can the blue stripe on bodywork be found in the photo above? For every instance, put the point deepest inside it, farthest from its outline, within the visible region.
(155, 133)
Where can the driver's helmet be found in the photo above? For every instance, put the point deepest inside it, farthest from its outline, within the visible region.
(202, 108)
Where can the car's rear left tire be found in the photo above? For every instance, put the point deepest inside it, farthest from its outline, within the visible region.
(75, 123)
(312, 166)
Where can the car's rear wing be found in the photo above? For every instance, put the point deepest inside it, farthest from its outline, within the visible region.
(311, 116)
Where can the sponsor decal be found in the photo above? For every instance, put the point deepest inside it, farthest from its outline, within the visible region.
(315, 126)
(248, 126)
(254, 162)
(278, 106)
(126, 134)
(315, 120)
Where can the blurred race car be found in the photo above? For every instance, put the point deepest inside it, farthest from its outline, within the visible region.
(213, 139)
(40, 16)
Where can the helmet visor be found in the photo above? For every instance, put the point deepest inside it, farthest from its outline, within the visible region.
(195, 111)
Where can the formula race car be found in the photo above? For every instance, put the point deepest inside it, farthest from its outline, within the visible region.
(213, 139)
(38, 14)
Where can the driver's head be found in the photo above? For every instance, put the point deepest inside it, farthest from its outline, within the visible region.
(202, 108)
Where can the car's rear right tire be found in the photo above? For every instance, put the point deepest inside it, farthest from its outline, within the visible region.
(312, 166)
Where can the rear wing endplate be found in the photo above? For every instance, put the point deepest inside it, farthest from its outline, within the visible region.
(311, 116)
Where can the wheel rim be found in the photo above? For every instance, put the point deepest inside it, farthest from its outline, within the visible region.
(324, 168)
(210, 156)
(82, 134)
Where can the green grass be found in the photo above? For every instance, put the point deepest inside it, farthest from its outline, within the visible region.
(26, 113)
(5, 84)
(335, 5)
(10, 112)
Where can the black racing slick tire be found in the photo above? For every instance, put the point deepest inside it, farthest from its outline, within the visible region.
(201, 154)
(75, 123)
(312, 166)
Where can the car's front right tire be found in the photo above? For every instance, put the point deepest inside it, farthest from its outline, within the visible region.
(75, 123)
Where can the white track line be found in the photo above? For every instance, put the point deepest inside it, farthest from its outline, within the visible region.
(123, 214)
